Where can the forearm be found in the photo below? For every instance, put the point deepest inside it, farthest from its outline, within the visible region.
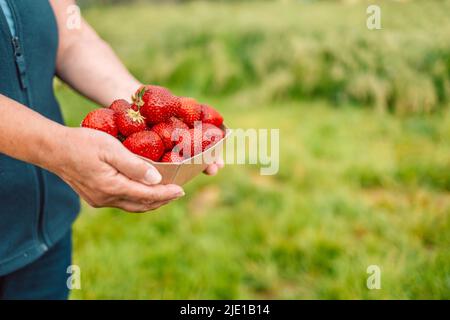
(89, 65)
(26, 135)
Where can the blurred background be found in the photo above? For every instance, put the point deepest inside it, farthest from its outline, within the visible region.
(365, 152)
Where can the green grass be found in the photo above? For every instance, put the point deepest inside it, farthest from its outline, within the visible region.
(355, 187)
(273, 51)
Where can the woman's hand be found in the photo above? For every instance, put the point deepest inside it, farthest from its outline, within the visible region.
(106, 174)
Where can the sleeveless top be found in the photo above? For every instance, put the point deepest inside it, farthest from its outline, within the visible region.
(36, 207)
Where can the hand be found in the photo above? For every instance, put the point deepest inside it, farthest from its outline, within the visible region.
(106, 174)
(214, 168)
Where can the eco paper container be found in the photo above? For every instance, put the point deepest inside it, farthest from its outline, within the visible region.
(183, 172)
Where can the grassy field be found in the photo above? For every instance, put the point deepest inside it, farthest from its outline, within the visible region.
(269, 51)
(356, 187)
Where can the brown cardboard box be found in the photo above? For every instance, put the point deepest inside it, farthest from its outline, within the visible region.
(181, 173)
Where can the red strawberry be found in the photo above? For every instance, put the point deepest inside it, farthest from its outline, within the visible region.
(177, 123)
(189, 111)
(130, 121)
(182, 139)
(158, 104)
(165, 131)
(173, 157)
(211, 136)
(146, 144)
(168, 131)
(198, 139)
(184, 144)
(211, 115)
(120, 105)
(103, 120)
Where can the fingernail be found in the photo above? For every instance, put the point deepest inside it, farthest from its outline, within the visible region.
(181, 194)
(152, 176)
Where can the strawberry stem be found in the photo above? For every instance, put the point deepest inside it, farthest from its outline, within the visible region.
(138, 99)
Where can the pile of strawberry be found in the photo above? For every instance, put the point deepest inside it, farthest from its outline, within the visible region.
(159, 125)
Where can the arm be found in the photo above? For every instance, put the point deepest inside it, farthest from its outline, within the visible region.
(95, 164)
(87, 63)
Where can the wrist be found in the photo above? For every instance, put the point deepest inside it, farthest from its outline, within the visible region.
(123, 90)
(52, 147)
(130, 90)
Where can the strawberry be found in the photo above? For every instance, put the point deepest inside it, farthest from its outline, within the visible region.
(211, 115)
(189, 111)
(177, 123)
(130, 120)
(173, 157)
(103, 120)
(211, 136)
(146, 144)
(158, 104)
(198, 139)
(184, 145)
(120, 105)
(168, 131)
(165, 131)
(189, 143)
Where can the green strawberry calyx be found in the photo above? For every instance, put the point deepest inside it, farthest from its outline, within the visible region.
(135, 115)
(138, 98)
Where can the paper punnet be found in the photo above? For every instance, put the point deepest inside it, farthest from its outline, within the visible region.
(183, 172)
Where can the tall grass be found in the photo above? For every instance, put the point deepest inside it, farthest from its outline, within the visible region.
(279, 51)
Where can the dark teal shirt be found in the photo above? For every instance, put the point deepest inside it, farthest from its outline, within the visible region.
(36, 207)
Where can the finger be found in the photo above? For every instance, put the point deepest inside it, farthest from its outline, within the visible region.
(157, 205)
(220, 163)
(132, 166)
(161, 193)
(133, 207)
(137, 192)
(212, 170)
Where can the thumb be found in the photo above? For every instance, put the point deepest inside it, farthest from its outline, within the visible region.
(133, 167)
